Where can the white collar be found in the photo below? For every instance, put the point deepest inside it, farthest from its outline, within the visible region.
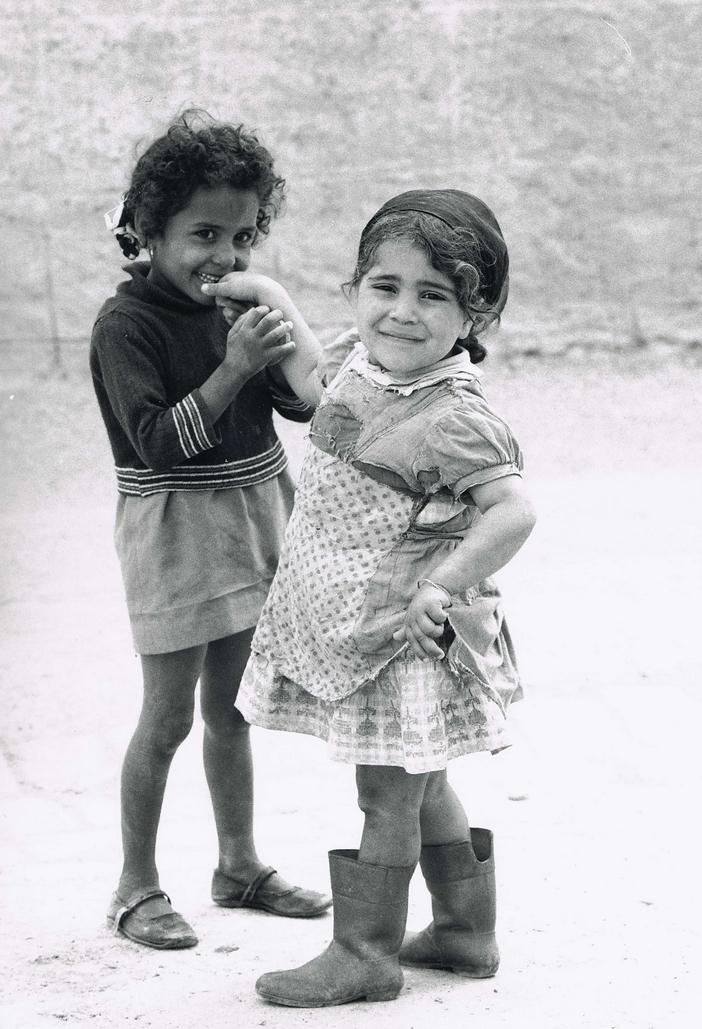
(458, 368)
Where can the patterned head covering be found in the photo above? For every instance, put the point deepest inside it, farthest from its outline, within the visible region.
(459, 210)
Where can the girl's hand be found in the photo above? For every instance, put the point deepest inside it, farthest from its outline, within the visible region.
(299, 361)
(237, 292)
(424, 622)
(258, 338)
(240, 290)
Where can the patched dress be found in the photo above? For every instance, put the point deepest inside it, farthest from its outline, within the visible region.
(383, 496)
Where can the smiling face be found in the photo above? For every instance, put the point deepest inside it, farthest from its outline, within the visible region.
(407, 312)
(213, 235)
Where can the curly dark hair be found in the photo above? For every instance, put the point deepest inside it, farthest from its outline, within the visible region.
(197, 151)
(461, 254)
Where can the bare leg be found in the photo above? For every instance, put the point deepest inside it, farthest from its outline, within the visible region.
(229, 770)
(227, 755)
(165, 721)
(391, 800)
(442, 818)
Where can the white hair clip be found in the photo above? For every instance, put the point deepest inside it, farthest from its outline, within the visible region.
(118, 224)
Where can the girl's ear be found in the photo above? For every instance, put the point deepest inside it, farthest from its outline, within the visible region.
(144, 242)
(351, 294)
(466, 328)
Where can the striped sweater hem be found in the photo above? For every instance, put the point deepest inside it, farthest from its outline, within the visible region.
(249, 471)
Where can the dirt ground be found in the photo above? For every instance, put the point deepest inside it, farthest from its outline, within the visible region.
(597, 842)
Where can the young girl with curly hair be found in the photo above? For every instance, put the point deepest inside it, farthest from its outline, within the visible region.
(203, 491)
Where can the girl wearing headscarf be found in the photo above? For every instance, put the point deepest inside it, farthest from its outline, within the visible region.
(383, 632)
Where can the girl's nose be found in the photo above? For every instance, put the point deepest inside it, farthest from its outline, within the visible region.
(232, 257)
(403, 310)
(225, 256)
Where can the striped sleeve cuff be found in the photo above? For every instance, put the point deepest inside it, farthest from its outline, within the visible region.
(194, 426)
(288, 403)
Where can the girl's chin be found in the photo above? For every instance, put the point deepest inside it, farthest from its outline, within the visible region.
(395, 367)
(396, 370)
(195, 293)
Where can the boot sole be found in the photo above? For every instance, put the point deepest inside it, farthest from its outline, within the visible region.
(289, 1003)
(467, 973)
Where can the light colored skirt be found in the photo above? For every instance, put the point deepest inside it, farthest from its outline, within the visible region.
(197, 564)
(416, 714)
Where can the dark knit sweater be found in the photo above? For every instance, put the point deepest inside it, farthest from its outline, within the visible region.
(150, 352)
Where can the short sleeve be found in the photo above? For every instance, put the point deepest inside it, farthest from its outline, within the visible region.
(467, 447)
(334, 354)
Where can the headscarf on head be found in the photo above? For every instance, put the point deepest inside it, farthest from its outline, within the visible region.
(459, 210)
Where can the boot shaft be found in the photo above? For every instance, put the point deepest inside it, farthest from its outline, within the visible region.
(370, 903)
(461, 880)
(448, 862)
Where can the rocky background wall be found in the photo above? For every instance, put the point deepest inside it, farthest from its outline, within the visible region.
(578, 122)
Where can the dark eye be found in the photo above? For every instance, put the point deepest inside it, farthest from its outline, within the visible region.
(384, 287)
(207, 234)
(245, 237)
(434, 296)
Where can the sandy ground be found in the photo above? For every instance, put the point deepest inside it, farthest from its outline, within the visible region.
(597, 840)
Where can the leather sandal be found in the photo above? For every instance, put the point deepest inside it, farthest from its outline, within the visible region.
(268, 892)
(169, 931)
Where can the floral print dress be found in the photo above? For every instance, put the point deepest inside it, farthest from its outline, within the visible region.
(383, 496)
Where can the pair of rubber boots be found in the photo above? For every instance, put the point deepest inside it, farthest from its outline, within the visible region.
(370, 912)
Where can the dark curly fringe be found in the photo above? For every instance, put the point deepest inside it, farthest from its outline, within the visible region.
(195, 152)
(460, 254)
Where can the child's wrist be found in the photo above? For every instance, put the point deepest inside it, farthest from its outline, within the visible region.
(436, 586)
(232, 372)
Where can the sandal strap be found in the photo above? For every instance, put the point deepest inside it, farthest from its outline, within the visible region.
(133, 904)
(255, 885)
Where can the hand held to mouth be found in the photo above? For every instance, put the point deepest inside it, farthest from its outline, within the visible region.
(257, 338)
(244, 288)
(298, 360)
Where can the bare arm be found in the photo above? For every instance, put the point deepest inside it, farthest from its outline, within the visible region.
(299, 363)
(507, 520)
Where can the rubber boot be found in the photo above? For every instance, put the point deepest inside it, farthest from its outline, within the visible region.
(361, 962)
(461, 880)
